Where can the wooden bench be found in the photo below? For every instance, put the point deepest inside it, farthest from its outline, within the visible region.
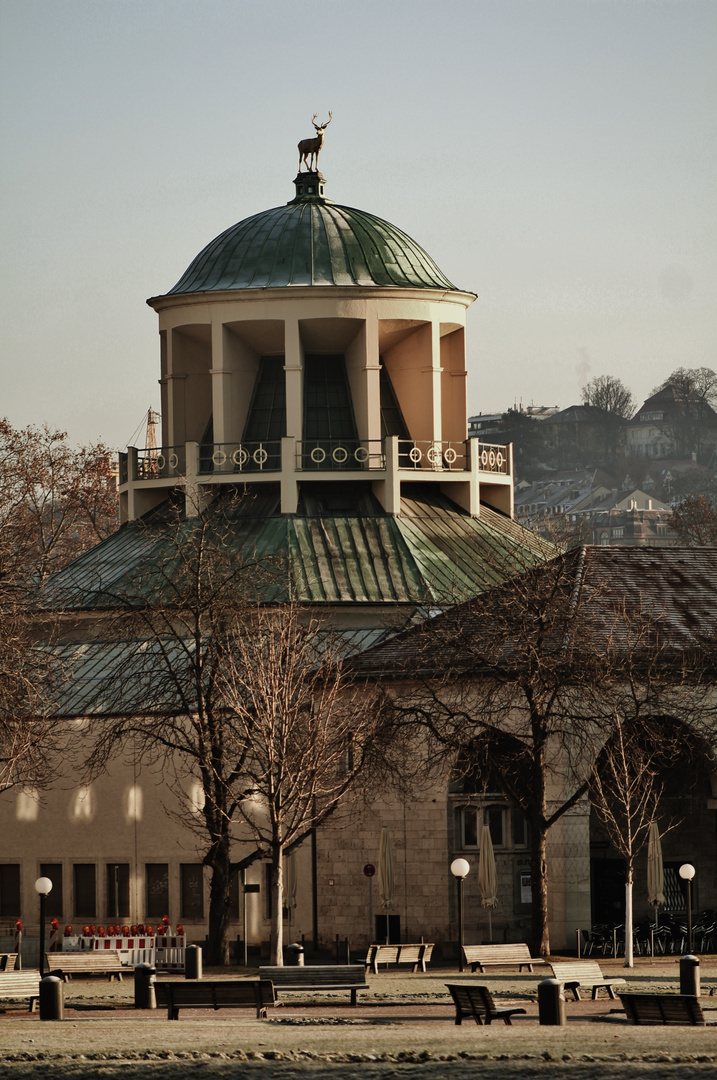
(215, 994)
(67, 964)
(477, 1001)
(482, 956)
(682, 1009)
(350, 977)
(9, 961)
(16, 985)
(576, 973)
(416, 955)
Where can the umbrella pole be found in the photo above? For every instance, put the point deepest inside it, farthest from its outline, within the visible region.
(490, 924)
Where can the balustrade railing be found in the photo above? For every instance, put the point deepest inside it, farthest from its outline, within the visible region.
(244, 457)
(427, 454)
(492, 458)
(161, 464)
(322, 455)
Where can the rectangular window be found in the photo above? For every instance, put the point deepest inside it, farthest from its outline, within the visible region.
(53, 904)
(117, 891)
(467, 827)
(10, 890)
(85, 899)
(157, 875)
(494, 821)
(191, 891)
(520, 829)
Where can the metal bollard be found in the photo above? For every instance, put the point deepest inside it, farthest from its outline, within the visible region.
(295, 955)
(52, 998)
(145, 995)
(193, 962)
(551, 1003)
(690, 975)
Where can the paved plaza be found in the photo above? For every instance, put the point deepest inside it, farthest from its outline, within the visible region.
(403, 1026)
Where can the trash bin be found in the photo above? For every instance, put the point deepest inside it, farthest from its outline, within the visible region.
(295, 954)
(145, 996)
(193, 962)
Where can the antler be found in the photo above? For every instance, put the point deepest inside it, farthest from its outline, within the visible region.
(313, 121)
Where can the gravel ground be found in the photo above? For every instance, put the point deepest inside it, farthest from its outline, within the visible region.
(403, 1027)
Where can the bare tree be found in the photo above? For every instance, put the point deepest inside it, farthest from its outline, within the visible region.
(55, 501)
(501, 685)
(695, 521)
(230, 690)
(519, 688)
(617, 404)
(691, 422)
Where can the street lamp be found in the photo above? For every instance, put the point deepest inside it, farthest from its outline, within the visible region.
(460, 868)
(687, 872)
(43, 886)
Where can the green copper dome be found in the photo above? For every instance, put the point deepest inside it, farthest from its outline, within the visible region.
(311, 241)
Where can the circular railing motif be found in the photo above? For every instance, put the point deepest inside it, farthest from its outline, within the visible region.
(240, 457)
(361, 454)
(450, 456)
(415, 454)
(219, 457)
(340, 455)
(173, 461)
(260, 456)
(318, 455)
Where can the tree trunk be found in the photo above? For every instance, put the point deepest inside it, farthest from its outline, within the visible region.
(219, 888)
(629, 960)
(539, 875)
(276, 943)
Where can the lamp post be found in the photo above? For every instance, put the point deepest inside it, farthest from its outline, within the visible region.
(460, 869)
(687, 872)
(43, 886)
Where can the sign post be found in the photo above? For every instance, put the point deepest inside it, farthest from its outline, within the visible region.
(369, 870)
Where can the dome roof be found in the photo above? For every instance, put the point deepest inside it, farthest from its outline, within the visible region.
(311, 241)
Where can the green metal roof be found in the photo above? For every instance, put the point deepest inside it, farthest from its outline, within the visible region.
(430, 554)
(311, 241)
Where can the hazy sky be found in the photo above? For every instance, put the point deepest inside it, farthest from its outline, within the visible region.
(556, 157)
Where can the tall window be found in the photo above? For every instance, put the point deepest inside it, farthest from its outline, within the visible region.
(118, 891)
(157, 876)
(10, 890)
(267, 414)
(191, 891)
(328, 413)
(53, 905)
(85, 893)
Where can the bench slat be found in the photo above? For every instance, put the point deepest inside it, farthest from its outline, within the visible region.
(477, 1001)
(416, 955)
(215, 994)
(350, 977)
(576, 973)
(68, 964)
(682, 1009)
(513, 955)
(16, 985)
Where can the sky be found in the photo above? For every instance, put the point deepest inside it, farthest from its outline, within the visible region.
(556, 157)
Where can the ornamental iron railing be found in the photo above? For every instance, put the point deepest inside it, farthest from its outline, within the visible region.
(428, 454)
(494, 459)
(161, 464)
(244, 457)
(330, 455)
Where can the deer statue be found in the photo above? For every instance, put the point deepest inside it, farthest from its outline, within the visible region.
(310, 148)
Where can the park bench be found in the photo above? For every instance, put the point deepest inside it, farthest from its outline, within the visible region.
(9, 961)
(214, 994)
(350, 977)
(482, 956)
(682, 1009)
(416, 955)
(67, 964)
(477, 1001)
(576, 973)
(16, 985)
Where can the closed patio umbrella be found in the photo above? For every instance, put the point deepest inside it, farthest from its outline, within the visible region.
(385, 875)
(655, 871)
(487, 876)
